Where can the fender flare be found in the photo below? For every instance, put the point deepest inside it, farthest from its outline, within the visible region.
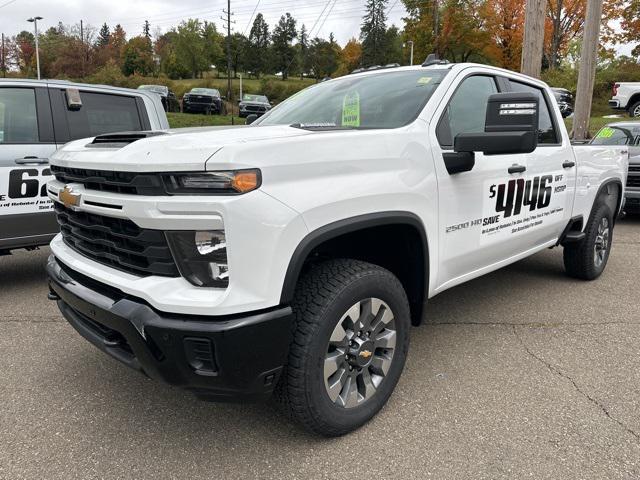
(601, 190)
(342, 227)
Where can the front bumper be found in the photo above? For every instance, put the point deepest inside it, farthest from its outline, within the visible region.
(614, 104)
(202, 107)
(238, 357)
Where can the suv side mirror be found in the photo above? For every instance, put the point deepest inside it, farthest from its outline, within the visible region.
(251, 118)
(511, 127)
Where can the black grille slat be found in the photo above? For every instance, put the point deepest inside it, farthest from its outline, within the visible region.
(108, 181)
(633, 181)
(116, 242)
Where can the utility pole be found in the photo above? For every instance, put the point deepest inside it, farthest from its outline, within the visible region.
(3, 59)
(410, 42)
(228, 21)
(34, 20)
(587, 73)
(533, 41)
(82, 45)
(436, 21)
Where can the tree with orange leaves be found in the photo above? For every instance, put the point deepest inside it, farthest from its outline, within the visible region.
(504, 21)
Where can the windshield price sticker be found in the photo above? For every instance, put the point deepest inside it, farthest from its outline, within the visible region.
(424, 80)
(606, 132)
(351, 110)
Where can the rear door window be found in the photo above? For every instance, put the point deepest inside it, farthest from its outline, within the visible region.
(547, 133)
(103, 113)
(18, 116)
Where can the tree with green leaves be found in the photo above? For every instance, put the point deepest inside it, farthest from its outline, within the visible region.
(213, 44)
(303, 51)
(258, 55)
(146, 29)
(324, 57)
(283, 36)
(137, 57)
(373, 33)
(103, 36)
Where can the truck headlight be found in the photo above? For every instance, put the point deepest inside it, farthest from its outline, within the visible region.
(201, 257)
(210, 183)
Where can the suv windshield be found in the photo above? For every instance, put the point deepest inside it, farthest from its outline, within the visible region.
(618, 135)
(205, 91)
(247, 97)
(380, 100)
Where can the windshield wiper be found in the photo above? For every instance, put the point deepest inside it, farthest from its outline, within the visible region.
(318, 127)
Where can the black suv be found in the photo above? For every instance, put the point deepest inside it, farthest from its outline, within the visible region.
(564, 99)
(203, 100)
(169, 101)
(254, 105)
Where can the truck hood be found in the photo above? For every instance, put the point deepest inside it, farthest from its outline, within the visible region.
(176, 150)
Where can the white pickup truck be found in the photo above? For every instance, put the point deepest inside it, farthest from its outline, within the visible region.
(626, 96)
(293, 255)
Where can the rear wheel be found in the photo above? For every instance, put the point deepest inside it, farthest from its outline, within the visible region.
(349, 348)
(587, 259)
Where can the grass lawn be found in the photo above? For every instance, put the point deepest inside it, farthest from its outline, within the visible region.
(182, 120)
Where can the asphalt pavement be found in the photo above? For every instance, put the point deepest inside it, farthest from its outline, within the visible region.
(524, 373)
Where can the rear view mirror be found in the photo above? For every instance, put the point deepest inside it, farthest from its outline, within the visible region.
(511, 127)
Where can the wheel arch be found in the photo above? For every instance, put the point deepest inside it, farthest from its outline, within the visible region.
(414, 276)
(635, 98)
(604, 192)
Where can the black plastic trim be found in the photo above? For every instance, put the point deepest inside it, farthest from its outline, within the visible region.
(341, 227)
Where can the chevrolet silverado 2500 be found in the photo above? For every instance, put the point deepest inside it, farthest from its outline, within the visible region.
(291, 256)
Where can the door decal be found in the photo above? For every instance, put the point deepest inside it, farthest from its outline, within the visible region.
(24, 190)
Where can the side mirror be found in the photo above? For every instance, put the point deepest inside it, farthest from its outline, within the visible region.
(251, 118)
(272, 103)
(511, 127)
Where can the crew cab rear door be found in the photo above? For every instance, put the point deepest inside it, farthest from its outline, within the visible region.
(26, 143)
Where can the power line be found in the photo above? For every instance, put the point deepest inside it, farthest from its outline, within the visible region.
(327, 16)
(250, 18)
(8, 3)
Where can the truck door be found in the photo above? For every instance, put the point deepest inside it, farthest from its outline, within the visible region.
(26, 142)
(553, 167)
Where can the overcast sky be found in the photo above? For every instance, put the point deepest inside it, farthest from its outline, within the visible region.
(343, 17)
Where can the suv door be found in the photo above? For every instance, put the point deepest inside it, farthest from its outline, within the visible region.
(26, 142)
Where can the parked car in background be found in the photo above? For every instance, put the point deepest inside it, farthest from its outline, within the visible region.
(37, 117)
(168, 98)
(626, 96)
(625, 133)
(254, 105)
(203, 100)
(564, 99)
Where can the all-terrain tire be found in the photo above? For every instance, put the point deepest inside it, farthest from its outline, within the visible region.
(323, 296)
(585, 260)
(634, 110)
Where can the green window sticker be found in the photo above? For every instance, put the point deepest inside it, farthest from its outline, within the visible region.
(606, 132)
(351, 110)
(424, 80)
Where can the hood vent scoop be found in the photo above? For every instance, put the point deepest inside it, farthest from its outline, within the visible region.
(120, 139)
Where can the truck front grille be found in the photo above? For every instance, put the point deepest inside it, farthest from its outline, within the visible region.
(107, 181)
(116, 242)
(633, 180)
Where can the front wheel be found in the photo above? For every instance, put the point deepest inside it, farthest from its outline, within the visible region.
(634, 111)
(586, 260)
(349, 347)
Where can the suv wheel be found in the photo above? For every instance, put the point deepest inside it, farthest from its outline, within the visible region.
(586, 260)
(634, 111)
(349, 346)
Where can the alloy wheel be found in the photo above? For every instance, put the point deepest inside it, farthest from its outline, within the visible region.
(601, 247)
(360, 353)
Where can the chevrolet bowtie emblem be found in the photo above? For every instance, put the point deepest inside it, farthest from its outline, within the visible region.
(69, 198)
(365, 354)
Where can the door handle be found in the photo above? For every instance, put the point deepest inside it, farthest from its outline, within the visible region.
(568, 164)
(517, 168)
(32, 161)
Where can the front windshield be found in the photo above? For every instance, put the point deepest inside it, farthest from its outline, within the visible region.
(247, 97)
(380, 100)
(206, 91)
(618, 135)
